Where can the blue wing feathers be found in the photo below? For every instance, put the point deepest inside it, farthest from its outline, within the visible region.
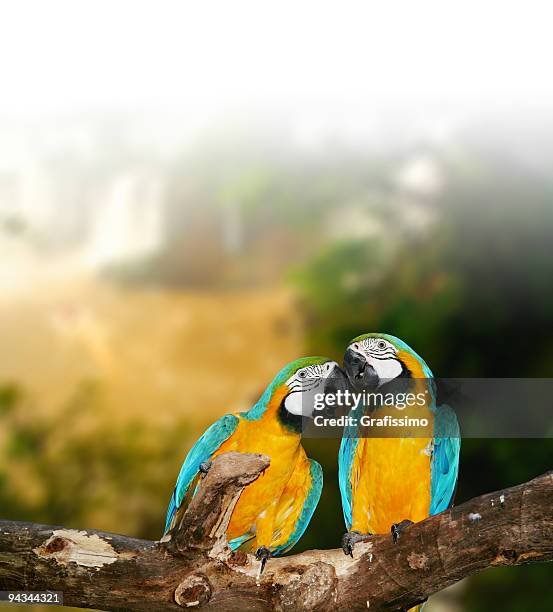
(445, 459)
(202, 451)
(345, 462)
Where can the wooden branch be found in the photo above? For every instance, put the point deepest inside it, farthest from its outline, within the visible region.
(206, 519)
(195, 569)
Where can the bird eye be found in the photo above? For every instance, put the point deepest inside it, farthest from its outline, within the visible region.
(381, 344)
(302, 374)
(356, 346)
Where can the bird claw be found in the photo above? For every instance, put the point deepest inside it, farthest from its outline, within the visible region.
(262, 554)
(204, 467)
(349, 539)
(398, 528)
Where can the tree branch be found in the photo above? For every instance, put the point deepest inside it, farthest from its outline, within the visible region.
(195, 569)
(206, 519)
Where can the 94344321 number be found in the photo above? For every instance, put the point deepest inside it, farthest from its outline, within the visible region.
(52, 598)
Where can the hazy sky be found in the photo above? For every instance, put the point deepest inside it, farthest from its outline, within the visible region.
(205, 57)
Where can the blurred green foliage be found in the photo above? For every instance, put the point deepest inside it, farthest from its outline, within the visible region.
(474, 294)
(79, 468)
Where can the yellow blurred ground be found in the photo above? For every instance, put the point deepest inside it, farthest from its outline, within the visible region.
(156, 353)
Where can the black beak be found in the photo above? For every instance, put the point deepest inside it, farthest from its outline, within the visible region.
(361, 375)
(336, 381)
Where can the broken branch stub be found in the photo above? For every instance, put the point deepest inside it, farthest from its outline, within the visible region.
(205, 521)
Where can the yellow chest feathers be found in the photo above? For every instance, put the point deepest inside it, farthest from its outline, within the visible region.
(269, 437)
(390, 482)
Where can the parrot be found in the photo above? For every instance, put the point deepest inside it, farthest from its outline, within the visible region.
(273, 512)
(387, 484)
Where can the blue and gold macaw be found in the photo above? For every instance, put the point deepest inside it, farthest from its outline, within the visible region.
(388, 483)
(273, 512)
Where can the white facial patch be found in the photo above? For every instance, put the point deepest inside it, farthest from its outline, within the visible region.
(381, 355)
(294, 404)
(304, 384)
(387, 369)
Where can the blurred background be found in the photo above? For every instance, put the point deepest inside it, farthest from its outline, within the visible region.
(193, 195)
